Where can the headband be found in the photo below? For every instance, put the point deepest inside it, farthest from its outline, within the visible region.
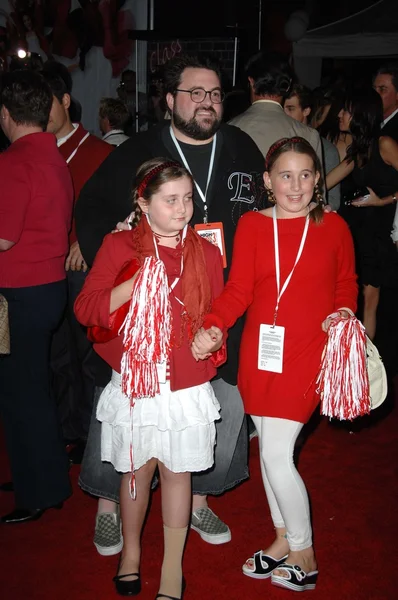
(278, 145)
(152, 173)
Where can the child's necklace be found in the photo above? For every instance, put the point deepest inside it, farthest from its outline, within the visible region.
(177, 236)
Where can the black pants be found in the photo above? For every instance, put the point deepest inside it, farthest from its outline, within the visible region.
(39, 464)
(76, 368)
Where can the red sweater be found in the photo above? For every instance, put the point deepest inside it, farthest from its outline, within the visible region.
(92, 305)
(323, 281)
(36, 200)
(88, 157)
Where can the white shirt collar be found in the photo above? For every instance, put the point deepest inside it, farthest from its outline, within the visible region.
(62, 140)
(270, 101)
(389, 118)
(112, 132)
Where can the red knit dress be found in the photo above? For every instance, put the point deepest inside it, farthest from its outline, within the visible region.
(323, 281)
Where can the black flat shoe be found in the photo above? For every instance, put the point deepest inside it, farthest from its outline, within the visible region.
(183, 586)
(127, 588)
(23, 515)
(7, 486)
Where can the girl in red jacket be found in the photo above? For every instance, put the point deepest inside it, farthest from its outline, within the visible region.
(144, 299)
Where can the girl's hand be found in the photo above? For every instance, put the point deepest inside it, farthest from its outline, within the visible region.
(326, 324)
(206, 342)
(371, 199)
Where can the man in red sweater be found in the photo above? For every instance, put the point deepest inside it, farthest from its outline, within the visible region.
(35, 214)
(75, 364)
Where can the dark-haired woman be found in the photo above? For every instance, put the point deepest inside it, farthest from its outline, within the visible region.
(291, 268)
(373, 162)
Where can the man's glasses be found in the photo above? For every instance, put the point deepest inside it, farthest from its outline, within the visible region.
(199, 94)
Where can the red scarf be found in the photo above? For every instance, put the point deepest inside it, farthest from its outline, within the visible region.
(196, 292)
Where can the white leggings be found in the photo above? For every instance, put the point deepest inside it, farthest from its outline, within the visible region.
(286, 493)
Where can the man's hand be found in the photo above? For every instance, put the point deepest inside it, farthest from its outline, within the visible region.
(75, 260)
(206, 342)
(124, 225)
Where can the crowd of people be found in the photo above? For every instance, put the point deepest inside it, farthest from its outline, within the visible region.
(153, 305)
(67, 29)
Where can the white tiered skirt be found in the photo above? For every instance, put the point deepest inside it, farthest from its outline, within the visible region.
(177, 428)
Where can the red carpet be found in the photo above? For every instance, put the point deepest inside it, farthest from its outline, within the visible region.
(351, 478)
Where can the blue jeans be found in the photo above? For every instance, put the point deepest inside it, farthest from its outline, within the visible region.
(230, 457)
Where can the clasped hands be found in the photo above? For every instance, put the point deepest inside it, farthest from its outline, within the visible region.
(205, 342)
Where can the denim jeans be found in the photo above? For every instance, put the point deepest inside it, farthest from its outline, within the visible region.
(231, 451)
(230, 458)
(96, 477)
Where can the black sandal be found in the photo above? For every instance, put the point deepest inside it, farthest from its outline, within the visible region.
(296, 580)
(263, 565)
(127, 588)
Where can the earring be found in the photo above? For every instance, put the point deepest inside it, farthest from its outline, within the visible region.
(318, 195)
(271, 197)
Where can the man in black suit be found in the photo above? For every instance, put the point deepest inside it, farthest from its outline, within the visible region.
(385, 82)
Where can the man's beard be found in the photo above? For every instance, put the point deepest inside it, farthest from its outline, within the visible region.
(195, 130)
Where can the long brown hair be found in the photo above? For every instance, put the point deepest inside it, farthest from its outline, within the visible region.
(301, 146)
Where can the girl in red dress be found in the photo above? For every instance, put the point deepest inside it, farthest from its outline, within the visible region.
(291, 268)
(156, 283)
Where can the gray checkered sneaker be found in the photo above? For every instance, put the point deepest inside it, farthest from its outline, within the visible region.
(210, 528)
(108, 537)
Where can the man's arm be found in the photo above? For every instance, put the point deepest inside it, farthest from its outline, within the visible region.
(14, 201)
(106, 197)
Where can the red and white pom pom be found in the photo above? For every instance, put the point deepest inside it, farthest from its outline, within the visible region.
(146, 339)
(343, 382)
(147, 331)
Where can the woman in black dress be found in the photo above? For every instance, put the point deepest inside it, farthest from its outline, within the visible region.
(373, 161)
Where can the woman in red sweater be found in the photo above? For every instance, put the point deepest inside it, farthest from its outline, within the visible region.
(155, 283)
(292, 267)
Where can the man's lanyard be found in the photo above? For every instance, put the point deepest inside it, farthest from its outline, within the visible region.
(280, 291)
(186, 165)
(77, 147)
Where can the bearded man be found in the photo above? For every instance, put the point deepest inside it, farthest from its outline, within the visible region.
(227, 169)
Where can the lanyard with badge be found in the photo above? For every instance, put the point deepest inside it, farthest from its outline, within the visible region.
(272, 337)
(212, 232)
